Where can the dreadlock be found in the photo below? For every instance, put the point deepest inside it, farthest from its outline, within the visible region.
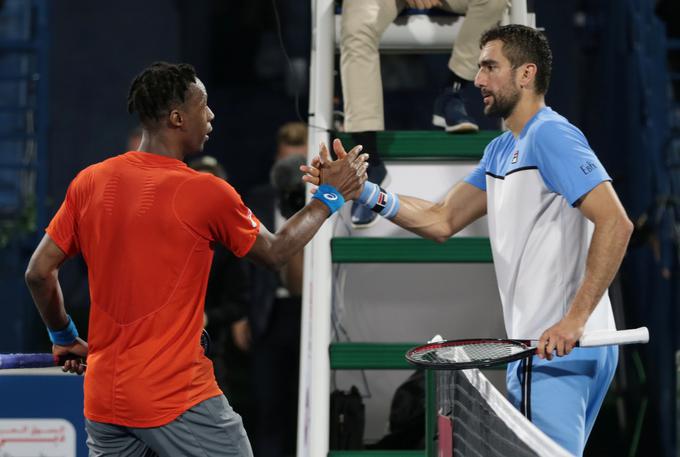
(158, 88)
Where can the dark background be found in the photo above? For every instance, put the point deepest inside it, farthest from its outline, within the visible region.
(610, 78)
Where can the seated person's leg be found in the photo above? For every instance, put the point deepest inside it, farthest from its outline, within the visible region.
(363, 23)
(480, 15)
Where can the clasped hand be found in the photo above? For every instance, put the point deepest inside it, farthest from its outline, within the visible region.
(347, 174)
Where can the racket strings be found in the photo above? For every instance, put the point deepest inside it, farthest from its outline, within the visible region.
(470, 352)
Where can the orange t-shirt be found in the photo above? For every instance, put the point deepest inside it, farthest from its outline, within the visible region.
(145, 225)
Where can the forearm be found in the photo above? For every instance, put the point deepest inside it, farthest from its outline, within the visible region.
(607, 248)
(461, 206)
(46, 292)
(424, 218)
(291, 274)
(297, 232)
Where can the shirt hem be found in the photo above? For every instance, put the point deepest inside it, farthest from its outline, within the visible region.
(156, 422)
(59, 242)
(249, 245)
(587, 190)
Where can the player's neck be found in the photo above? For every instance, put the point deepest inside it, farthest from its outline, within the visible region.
(526, 108)
(157, 143)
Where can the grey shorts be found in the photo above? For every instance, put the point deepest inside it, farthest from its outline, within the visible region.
(211, 428)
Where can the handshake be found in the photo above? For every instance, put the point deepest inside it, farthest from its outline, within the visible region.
(347, 174)
(333, 182)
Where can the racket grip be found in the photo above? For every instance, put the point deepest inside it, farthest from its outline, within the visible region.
(27, 360)
(42, 360)
(606, 338)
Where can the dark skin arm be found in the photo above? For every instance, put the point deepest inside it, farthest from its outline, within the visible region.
(347, 175)
(273, 250)
(43, 283)
(291, 274)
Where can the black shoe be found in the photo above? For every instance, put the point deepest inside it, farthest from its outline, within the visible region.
(450, 113)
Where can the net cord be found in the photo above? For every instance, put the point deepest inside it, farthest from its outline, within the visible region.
(538, 441)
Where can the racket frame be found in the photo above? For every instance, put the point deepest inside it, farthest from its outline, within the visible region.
(527, 352)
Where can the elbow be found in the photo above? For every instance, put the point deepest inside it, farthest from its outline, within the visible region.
(35, 277)
(275, 261)
(626, 227)
(441, 239)
(444, 233)
(276, 265)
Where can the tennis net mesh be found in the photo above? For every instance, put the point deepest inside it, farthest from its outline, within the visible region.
(476, 420)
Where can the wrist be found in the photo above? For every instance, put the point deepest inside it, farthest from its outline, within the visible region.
(329, 196)
(577, 316)
(379, 200)
(369, 194)
(65, 336)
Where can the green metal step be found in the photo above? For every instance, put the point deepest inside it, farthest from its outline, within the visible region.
(428, 144)
(394, 453)
(375, 356)
(410, 250)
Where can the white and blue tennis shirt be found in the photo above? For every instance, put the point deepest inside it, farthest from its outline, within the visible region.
(539, 239)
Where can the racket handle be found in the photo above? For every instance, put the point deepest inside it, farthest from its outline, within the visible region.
(609, 337)
(43, 360)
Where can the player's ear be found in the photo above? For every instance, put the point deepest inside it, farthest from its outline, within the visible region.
(527, 74)
(175, 118)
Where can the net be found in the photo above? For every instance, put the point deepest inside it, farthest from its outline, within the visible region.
(475, 420)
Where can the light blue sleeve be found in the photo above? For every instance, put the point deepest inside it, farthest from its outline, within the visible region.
(567, 164)
(477, 177)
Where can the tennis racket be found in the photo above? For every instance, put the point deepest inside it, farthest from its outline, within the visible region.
(8, 361)
(45, 360)
(482, 353)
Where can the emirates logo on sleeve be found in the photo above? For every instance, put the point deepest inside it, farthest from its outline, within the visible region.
(250, 218)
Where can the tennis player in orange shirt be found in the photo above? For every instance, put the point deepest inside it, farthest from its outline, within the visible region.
(146, 225)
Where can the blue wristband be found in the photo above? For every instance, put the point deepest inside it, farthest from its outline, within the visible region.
(65, 336)
(329, 196)
(379, 200)
(369, 195)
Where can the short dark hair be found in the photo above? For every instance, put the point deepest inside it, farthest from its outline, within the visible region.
(158, 88)
(522, 44)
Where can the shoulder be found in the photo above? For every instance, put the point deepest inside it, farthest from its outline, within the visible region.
(99, 170)
(84, 180)
(206, 183)
(500, 140)
(554, 138)
(551, 126)
(499, 143)
(204, 189)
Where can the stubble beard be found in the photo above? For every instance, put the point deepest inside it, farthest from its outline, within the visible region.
(503, 104)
